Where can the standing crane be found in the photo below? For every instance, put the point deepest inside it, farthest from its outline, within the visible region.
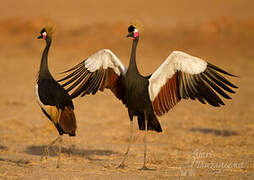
(53, 99)
(181, 76)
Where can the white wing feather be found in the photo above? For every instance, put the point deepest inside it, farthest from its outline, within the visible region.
(176, 61)
(38, 97)
(106, 59)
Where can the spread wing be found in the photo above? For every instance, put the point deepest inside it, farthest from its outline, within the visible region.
(99, 71)
(185, 76)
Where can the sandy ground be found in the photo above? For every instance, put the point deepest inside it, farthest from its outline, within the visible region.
(198, 141)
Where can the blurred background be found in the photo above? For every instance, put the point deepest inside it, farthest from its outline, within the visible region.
(221, 32)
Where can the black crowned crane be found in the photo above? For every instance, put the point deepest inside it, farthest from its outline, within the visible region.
(54, 100)
(180, 76)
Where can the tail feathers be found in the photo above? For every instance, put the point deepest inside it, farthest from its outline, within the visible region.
(67, 121)
(64, 120)
(152, 124)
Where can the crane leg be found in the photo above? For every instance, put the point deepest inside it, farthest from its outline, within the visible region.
(59, 152)
(72, 145)
(145, 144)
(129, 146)
(46, 150)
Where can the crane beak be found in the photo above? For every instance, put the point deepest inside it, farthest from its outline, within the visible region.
(39, 37)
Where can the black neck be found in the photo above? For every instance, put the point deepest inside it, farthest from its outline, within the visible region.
(133, 64)
(44, 71)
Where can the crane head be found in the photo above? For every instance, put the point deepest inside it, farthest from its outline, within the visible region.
(133, 32)
(46, 32)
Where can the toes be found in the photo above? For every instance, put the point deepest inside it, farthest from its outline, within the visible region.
(121, 166)
(144, 168)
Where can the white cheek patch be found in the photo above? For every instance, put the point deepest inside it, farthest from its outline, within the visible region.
(44, 35)
(136, 33)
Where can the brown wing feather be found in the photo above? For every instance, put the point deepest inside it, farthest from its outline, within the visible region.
(168, 96)
(206, 87)
(115, 83)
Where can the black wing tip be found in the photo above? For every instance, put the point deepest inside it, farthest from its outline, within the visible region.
(73, 68)
(61, 80)
(73, 96)
(221, 70)
(236, 76)
(215, 68)
(217, 104)
(66, 71)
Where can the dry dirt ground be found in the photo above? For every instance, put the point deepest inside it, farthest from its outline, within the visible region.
(198, 141)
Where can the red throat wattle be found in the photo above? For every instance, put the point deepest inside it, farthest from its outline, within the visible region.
(135, 35)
